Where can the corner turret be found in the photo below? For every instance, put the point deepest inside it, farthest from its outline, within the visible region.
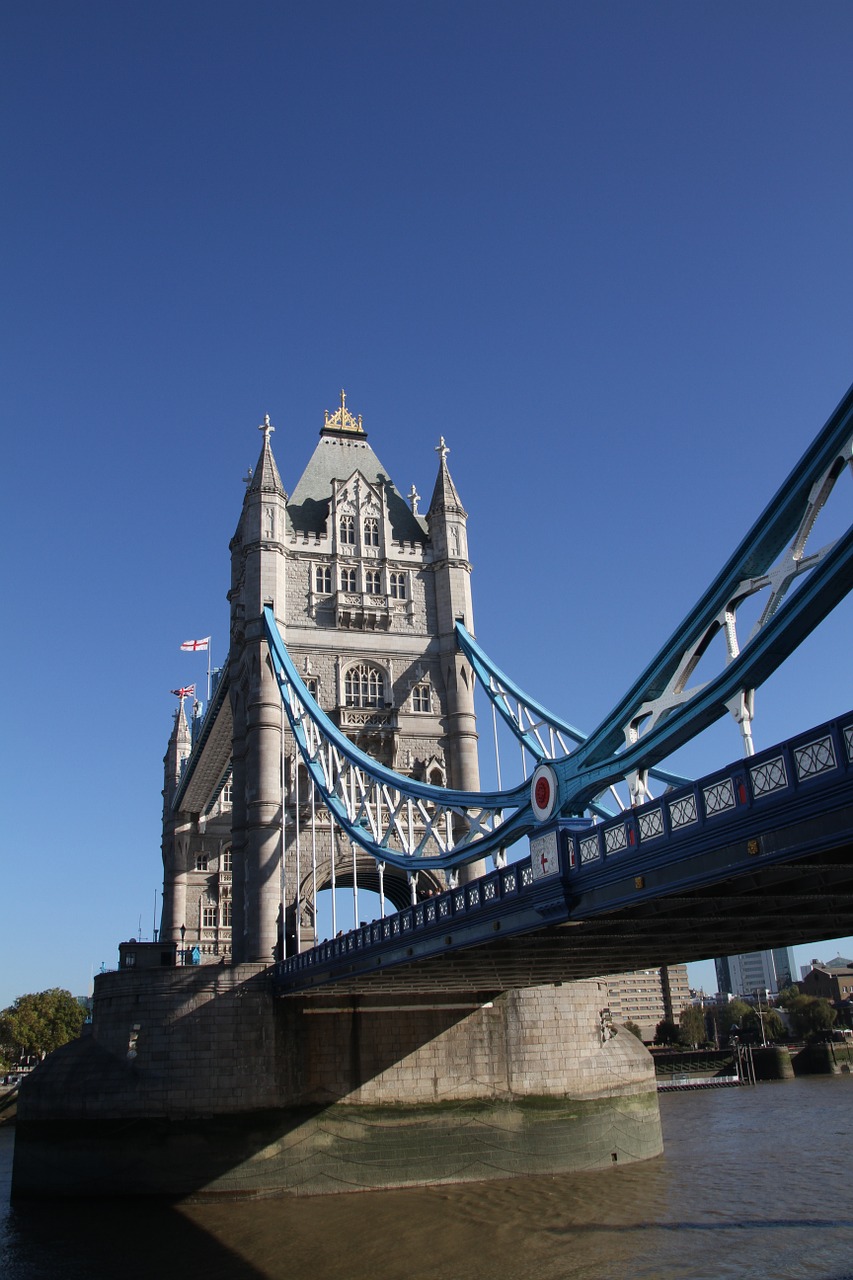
(447, 521)
(258, 578)
(175, 827)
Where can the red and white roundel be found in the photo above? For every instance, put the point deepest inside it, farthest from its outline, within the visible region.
(543, 792)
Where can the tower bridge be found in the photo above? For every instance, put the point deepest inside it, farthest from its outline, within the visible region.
(463, 1033)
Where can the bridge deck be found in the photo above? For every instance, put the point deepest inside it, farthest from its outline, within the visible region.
(756, 855)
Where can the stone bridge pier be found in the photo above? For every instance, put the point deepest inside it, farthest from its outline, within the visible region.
(200, 1082)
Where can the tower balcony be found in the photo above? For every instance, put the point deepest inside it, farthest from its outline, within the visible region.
(362, 611)
(365, 719)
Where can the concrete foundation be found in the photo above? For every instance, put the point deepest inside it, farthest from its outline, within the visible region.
(198, 1082)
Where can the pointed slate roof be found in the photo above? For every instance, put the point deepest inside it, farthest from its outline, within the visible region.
(343, 449)
(265, 477)
(444, 495)
(181, 731)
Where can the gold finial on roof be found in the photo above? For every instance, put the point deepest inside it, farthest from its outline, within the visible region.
(342, 419)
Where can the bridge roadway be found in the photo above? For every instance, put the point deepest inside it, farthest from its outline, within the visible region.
(756, 855)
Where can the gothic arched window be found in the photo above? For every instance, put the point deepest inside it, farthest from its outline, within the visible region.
(323, 579)
(348, 580)
(373, 582)
(371, 532)
(347, 528)
(364, 686)
(397, 583)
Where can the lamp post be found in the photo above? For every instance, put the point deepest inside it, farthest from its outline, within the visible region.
(761, 1016)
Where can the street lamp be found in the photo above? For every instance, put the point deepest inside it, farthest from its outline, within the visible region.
(760, 1015)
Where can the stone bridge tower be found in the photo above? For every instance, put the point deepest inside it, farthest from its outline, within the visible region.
(197, 1079)
(366, 592)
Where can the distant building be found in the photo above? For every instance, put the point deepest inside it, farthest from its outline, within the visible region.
(741, 975)
(648, 996)
(831, 981)
(839, 962)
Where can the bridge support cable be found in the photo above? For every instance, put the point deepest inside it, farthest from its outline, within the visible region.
(497, 746)
(661, 711)
(742, 707)
(297, 930)
(282, 866)
(396, 819)
(332, 842)
(314, 857)
(801, 589)
(540, 733)
(353, 848)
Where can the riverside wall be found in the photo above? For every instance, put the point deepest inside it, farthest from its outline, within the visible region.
(201, 1082)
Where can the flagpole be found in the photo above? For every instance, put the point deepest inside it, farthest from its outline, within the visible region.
(193, 646)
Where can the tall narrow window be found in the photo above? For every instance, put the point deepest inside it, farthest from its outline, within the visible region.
(323, 579)
(364, 686)
(226, 860)
(371, 532)
(398, 586)
(208, 918)
(348, 580)
(347, 528)
(373, 582)
(420, 698)
(201, 862)
(227, 914)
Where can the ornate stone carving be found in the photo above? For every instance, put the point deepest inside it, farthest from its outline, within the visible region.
(342, 419)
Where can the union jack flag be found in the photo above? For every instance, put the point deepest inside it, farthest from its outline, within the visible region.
(195, 646)
(187, 692)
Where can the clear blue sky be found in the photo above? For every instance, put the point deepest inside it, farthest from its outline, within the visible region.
(605, 250)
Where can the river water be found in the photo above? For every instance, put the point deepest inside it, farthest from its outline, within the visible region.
(753, 1182)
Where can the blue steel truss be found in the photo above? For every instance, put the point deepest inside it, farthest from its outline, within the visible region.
(407, 823)
(545, 735)
(412, 824)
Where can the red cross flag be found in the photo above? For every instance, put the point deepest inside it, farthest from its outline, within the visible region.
(187, 692)
(195, 646)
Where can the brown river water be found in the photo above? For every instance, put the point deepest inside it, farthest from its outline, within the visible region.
(753, 1182)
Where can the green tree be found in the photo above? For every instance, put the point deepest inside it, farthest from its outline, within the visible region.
(822, 1017)
(774, 1027)
(732, 1014)
(667, 1032)
(811, 1017)
(40, 1023)
(692, 1026)
(633, 1028)
(787, 994)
